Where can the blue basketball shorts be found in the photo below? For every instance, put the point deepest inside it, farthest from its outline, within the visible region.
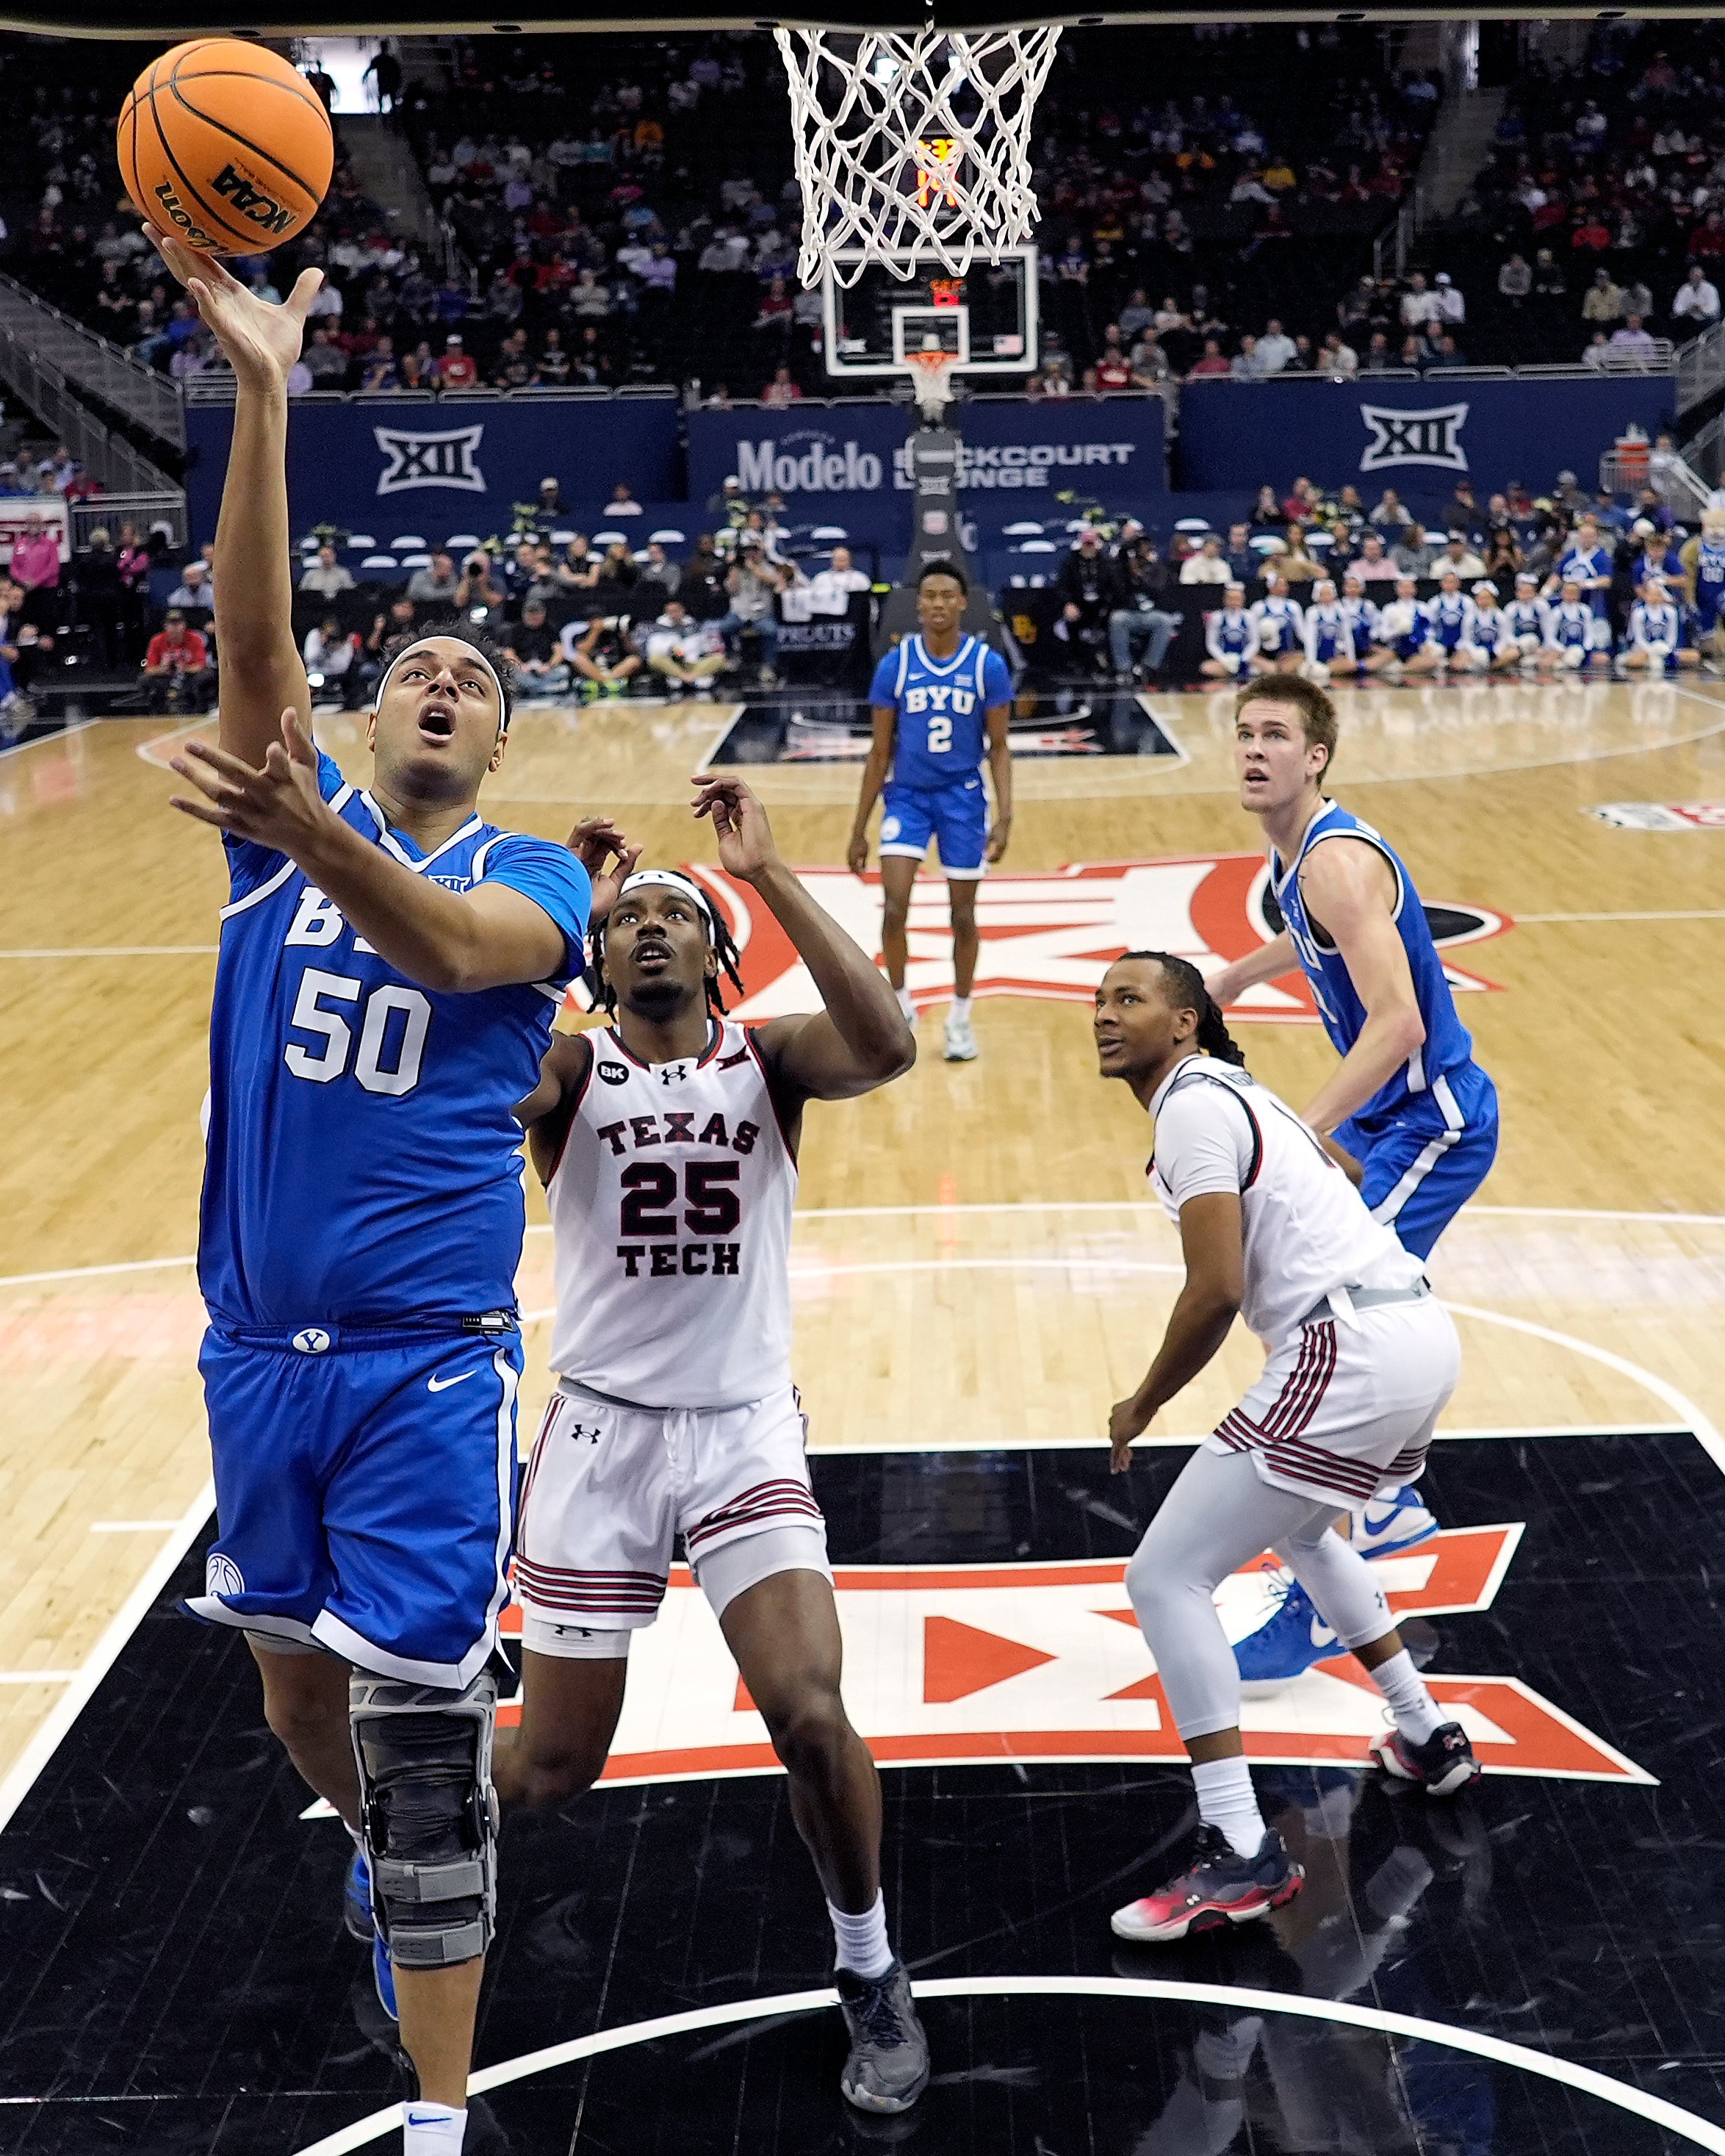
(956, 816)
(364, 1493)
(1423, 1164)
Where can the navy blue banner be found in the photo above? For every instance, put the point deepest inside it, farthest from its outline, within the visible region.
(383, 466)
(1036, 448)
(1418, 436)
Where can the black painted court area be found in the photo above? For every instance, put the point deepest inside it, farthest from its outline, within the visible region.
(822, 726)
(174, 1978)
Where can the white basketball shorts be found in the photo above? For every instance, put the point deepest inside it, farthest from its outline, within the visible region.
(609, 1489)
(1347, 1406)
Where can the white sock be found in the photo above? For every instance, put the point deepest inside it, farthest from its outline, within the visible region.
(432, 2129)
(904, 1003)
(1417, 1714)
(1226, 1800)
(862, 1944)
(961, 1008)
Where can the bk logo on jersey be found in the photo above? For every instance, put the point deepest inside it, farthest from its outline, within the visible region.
(1053, 936)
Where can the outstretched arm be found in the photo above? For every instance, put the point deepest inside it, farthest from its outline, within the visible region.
(1212, 1240)
(860, 1040)
(261, 668)
(449, 941)
(1348, 886)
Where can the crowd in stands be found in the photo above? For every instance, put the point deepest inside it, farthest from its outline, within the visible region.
(1511, 585)
(620, 216)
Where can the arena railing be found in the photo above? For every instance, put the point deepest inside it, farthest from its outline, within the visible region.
(91, 363)
(108, 458)
(1701, 368)
(145, 511)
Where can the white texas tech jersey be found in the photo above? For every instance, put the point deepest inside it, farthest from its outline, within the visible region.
(1306, 1228)
(670, 1206)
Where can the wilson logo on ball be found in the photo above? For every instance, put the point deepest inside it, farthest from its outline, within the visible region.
(180, 217)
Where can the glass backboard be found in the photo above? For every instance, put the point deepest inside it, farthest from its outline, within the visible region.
(986, 319)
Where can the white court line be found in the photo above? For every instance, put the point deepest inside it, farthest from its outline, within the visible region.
(81, 1688)
(1542, 1434)
(1537, 920)
(120, 951)
(1699, 2131)
(147, 749)
(76, 727)
(1003, 1205)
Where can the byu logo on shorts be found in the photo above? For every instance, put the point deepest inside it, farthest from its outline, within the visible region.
(222, 1575)
(889, 829)
(313, 1340)
(614, 1074)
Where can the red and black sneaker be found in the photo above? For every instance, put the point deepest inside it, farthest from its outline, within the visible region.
(1217, 1888)
(1443, 1766)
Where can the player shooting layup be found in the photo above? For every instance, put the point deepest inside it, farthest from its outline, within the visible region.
(389, 969)
(1362, 1357)
(1408, 1100)
(938, 700)
(667, 1146)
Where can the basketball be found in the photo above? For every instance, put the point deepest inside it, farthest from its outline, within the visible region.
(225, 145)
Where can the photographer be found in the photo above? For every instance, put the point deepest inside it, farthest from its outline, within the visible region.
(1141, 626)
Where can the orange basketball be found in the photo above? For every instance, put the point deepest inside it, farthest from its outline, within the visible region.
(226, 145)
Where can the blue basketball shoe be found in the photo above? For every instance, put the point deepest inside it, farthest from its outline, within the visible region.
(1388, 1525)
(357, 1898)
(1286, 1644)
(383, 1975)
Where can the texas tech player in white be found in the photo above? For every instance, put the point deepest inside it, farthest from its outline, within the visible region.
(667, 1144)
(670, 1205)
(1361, 1359)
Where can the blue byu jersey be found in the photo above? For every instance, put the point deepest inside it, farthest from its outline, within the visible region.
(941, 736)
(1447, 1044)
(1709, 581)
(364, 1160)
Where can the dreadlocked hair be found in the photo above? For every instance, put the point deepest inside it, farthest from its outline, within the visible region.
(725, 949)
(1187, 992)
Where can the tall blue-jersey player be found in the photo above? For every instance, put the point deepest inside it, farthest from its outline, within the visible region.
(388, 970)
(1407, 1102)
(941, 704)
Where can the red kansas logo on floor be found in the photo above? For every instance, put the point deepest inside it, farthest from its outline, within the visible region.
(1053, 936)
(949, 1665)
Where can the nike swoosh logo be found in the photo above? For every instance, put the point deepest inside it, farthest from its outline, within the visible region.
(442, 1384)
(1321, 1635)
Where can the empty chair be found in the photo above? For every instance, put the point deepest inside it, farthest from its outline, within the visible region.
(379, 562)
(1021, 532)
(1037, 546)
(610, 538)
(405, 541)
(359, 541)
(421, 561)
(1192, 523)
(455, 542)
(829, 532)
(667, 536)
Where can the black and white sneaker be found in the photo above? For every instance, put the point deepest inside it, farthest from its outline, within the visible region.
(1443, 1766)
(888, 2066)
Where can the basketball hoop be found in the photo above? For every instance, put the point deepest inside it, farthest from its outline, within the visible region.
(913, 143)
(931, 374)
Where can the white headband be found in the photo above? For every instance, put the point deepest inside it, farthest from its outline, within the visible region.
(418, 644)
(669, 880)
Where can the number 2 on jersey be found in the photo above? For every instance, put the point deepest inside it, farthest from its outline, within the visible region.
(939, 734)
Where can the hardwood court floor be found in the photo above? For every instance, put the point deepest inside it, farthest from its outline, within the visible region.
(975, 1263)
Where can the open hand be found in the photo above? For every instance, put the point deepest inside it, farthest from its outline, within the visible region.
(277, 804)
(1127, 1420)
(595, 841)
(260, 339)
(745, 837)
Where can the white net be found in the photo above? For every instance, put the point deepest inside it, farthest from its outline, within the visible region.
(913, 143)
(931, 381)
